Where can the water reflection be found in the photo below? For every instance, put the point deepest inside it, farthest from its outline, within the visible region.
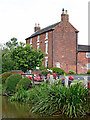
(22, 110)
(16, 109)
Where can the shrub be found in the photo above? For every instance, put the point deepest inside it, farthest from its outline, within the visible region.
(25, 83)
(11, 83)
(45, 72)
(5, 75)
(53, 99)
(58, 70)
(88, 72)
(71, 72)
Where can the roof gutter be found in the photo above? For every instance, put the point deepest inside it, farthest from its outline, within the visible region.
(52, 48)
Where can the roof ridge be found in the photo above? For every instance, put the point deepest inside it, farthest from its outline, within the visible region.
(48, 28)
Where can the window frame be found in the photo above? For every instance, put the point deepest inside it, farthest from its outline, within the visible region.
(46, 37)
(37, 46)
(30, 41)
(46, 47)
(46, 62)
(58, 66)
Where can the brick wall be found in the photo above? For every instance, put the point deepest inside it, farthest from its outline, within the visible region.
(64, 40)
(42, 45)
(82, 62)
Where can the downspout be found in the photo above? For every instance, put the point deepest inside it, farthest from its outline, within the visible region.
(52, 48)
(76, 49)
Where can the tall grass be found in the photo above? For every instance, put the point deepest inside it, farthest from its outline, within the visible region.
(57, 99)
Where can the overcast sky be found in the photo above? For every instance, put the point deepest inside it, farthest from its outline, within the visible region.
(18, 17)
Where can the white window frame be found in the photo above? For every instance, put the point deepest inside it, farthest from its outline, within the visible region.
(30, 41)
(88, 66)
(58, 64)
(46, 47)
(46, 36)
(87, 54)
(38, 46)
(38, 37)
(46, 61)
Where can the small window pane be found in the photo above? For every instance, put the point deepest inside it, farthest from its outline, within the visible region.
(38, 38)
(46, 36)
(46, 47)
(46, 62)
(31, 41)
(88, 55)
(58, 64)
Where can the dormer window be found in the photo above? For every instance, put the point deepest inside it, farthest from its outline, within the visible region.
(30, 41)
(38, 38)
(46, 36)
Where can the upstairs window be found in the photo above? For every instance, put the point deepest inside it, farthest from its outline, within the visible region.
(46, 36)
(38, 38)
(87, 55)
(31, 41)
(46, 42)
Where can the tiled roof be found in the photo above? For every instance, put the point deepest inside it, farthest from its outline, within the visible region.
(83, 48)
(46, 29)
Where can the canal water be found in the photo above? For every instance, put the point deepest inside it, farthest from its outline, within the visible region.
(22, 110)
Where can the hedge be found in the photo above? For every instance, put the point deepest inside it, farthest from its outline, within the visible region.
(11, 83)
(25, 83)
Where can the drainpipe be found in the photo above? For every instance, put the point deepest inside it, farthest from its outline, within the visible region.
(52, 48)
(76, 49)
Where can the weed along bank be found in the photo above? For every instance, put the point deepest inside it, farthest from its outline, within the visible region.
(63, 98)
(60, 43)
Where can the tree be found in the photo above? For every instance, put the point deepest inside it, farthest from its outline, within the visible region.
(7, 62)
(26, 57)
(12, 42)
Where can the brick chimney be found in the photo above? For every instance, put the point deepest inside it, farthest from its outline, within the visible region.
(64, 16)
(37, 27)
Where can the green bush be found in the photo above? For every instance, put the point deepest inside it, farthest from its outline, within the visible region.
(55, 99)
(4, 76)
(45, 72)
(71, 72)
(58, 70)
(88, 72)
(11, 83)
(25, 83)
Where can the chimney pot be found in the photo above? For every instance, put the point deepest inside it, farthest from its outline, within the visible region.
(37, 27)
(64, 16)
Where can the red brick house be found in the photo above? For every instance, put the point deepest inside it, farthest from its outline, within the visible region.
(60, 42)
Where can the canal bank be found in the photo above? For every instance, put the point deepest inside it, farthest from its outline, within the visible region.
(22, 110)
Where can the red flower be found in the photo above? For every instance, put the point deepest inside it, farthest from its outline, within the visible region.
(71, 78)
(54, 75)
(29, 77)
